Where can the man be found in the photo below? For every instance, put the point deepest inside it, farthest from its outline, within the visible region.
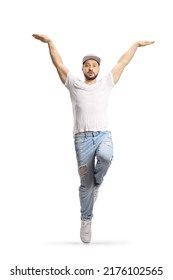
(93, 140)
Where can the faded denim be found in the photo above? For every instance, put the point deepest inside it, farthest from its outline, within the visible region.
(94, 153)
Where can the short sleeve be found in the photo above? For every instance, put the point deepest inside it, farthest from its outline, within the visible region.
(69, 82)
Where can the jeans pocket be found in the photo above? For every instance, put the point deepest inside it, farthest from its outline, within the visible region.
(78, 141)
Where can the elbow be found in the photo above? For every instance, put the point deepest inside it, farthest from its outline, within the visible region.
(123, 62)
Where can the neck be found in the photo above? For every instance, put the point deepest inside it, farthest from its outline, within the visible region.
(90, 82)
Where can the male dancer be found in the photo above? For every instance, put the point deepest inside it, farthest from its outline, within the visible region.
(93, 140)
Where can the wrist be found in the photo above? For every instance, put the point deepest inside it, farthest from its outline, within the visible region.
(49, 41)
(137, 44)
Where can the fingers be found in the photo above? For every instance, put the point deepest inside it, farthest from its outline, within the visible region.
(41, 37)
(149, 42)
(145, 43)
(37, 36)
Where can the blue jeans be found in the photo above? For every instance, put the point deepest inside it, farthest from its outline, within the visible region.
(94, 153)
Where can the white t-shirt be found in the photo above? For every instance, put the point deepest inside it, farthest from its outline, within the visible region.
(89, 103)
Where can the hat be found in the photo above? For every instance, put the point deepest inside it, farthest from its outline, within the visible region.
(91, 56)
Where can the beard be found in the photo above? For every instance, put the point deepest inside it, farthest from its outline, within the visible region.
(90, 78)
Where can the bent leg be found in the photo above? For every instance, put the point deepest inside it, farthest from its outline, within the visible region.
(104, 156)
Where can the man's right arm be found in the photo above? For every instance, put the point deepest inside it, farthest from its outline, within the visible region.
(55, 56)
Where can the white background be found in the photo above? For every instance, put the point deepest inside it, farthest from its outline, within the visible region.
(40, 217)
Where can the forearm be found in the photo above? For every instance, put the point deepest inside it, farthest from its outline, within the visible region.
(127, 56)
(54, 54)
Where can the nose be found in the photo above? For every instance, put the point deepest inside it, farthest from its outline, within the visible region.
(90, 67)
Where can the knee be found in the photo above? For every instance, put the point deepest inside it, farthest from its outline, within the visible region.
(105, 153)
(83, 170)
(86, 176)
(106, 158)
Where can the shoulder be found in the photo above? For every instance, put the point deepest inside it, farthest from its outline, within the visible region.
(107, 79)
(70, 80)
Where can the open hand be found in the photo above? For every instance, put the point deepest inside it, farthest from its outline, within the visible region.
(145, 43)
(41, 37)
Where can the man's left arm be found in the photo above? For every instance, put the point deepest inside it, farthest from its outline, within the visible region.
(126, 58)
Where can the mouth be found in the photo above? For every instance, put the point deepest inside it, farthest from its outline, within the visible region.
(90, 73)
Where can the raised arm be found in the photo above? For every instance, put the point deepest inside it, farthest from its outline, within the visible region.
(126, 58)
(55, 56)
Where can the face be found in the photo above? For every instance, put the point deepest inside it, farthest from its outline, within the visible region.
(90, 69)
